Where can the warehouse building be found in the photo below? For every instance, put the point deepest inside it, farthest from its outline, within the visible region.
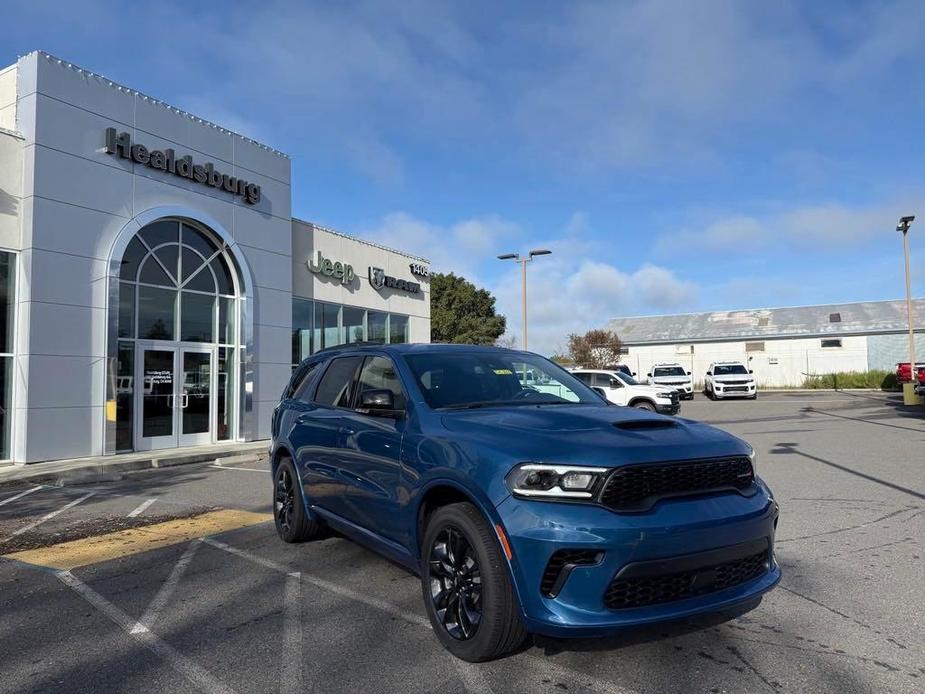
(781, 345)
(155, 289)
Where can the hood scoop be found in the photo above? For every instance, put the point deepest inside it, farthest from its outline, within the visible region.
(645, 424)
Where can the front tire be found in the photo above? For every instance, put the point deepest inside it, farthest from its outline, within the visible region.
(644, 405)
(466, 586)
(292, 521)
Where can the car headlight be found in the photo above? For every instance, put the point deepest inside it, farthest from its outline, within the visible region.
(555, 481)
(753, 456)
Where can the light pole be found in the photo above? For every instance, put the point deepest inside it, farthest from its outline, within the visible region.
(908, 389)
(523, 279)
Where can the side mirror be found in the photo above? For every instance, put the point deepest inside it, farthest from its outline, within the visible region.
(616, 383)
(688, 373)
(379, 403)
(632, 373)
(648, 375)
(750, 371)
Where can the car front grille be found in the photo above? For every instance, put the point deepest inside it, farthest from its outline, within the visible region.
(732, 383)
(625, 593)
(560, 566)
(638, 487)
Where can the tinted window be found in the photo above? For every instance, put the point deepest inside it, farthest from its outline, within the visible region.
(336, 386)
(601, 381)
(466, 379)
(584, 378)
(299, 379)
(729, 369)
(379, 374)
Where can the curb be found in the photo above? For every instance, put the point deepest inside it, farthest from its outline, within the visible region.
(118, 469)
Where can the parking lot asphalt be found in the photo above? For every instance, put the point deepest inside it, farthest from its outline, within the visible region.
(230, 608)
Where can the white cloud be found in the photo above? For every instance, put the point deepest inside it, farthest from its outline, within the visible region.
(568, 291)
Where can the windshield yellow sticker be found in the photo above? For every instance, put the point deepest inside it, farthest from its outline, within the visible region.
(504, 372)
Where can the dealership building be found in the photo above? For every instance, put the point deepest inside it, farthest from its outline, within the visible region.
(155, 289)
(781, 345)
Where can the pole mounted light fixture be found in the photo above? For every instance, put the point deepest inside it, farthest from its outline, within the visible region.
(523, 270)
(909, 389)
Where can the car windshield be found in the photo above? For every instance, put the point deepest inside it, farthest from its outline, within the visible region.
(462, 380)
(729, 370)
(668, 371)
(626, 378)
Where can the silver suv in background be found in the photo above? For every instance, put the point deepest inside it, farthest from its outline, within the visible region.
(729, 379)
(674, 376)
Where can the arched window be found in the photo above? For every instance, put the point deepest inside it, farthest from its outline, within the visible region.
(177, 284)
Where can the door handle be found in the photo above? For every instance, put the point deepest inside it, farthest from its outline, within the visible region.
(185, 397)
(170, 401)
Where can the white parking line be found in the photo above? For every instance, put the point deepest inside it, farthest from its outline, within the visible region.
(20, 495)
(290, 679)
(195, 673)
(242, 469)
(47, 516)
(141, 508)
(163, 595)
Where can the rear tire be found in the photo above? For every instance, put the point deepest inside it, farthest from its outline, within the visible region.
(466, 586)
(293, 523)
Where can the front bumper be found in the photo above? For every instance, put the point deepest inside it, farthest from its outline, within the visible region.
(743, 391)
(671, 531)
(672, 408)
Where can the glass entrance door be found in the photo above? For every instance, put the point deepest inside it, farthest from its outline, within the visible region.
(156, 424)
(195, 396)
(174, 403)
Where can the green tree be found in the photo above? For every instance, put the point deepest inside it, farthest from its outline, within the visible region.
(596, 349)
(461, 312)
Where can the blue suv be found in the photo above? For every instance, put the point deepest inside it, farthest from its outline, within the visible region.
(524, 501)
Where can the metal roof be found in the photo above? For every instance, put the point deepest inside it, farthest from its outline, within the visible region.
(862, 318)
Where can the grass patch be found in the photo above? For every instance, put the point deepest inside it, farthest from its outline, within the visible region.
(884, 380)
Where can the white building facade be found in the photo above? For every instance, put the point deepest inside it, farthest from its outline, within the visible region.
(781, 345)
(154, 286)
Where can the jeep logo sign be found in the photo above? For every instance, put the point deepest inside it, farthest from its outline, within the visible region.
(340, 272)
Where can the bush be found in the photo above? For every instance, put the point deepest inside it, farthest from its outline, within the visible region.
(885, 380)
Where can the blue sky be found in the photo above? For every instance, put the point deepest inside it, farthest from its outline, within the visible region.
(675, 156)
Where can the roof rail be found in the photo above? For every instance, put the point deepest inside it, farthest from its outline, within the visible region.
(350, 345)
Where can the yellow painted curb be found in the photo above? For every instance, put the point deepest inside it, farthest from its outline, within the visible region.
(92, 550)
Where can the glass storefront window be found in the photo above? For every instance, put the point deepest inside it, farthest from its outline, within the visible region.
(376, 326)
(126, 309)
(398, 329)
(125, 391)
(7, 311)
(302, 314)
(226, 320)
(156, 312)
(353, 324)
(196, 316)
(327, 326)
(225, 394)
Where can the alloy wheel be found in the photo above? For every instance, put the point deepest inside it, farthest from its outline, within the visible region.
(284, 501)
(455, 584)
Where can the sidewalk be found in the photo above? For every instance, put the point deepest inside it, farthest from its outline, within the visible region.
(109, 467)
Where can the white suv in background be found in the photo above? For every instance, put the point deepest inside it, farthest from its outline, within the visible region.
(729, 379)
(672, 375)
(622, 389)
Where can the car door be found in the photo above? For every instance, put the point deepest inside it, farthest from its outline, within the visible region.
(616, 393)
(371, 458)
(317, 437)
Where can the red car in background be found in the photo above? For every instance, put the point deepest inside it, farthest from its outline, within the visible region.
(904, 373)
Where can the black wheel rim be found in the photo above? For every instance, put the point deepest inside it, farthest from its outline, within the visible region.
(455, 584)
(284, 501)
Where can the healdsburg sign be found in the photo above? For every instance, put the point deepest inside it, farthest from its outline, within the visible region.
(120, 144)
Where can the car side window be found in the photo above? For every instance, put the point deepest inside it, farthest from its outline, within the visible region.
(337, 385)
(600, 381)
(299, 380)
(584, 378)
(379, 374)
